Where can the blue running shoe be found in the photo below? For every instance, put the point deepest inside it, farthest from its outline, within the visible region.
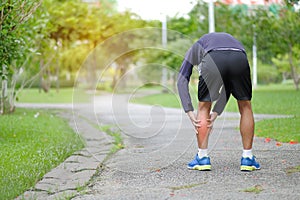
(248, 164)
(202, 164)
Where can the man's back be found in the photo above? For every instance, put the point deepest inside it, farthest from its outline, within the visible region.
(213, 41)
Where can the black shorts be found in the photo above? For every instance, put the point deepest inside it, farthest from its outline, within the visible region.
(224, 69)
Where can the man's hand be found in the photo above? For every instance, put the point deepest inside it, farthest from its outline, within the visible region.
(212, 118)
(194, 121)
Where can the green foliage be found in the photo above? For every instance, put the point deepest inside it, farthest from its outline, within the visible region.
(278, 38)
(281, 61)
(14, 36)
(199, 19)
(16, 45)
(78, 28)
(65, 17)
(57, 36)
(44, 39)
(9, 32)
(289, 65)
(108, 6)
(268, 73)
(29, 151)
(236, 21)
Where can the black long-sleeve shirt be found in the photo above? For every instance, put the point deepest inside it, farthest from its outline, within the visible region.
(194, 56)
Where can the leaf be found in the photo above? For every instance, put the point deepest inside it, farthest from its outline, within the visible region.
(293, 142)
(278, 144)
(267, 140)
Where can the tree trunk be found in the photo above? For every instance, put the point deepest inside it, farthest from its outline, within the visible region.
(12, 92)
(118, 76)
(174, 77)
(1, 102)
(41, 74)
(294, 73)
(122, 78)
(115, 78)
(3, 95)
(57, 69)
(94, 68)
(57, 76)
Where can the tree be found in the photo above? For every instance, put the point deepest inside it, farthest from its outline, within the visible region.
(15, 46)
(107, 33)
(287, 31)
(279, 37)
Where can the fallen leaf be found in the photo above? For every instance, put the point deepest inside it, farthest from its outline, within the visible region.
(293, 142)
(267, 140)
(278, 144)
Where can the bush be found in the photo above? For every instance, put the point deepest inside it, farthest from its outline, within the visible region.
(268, 74)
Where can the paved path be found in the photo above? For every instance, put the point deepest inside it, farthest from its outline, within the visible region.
(159, 142)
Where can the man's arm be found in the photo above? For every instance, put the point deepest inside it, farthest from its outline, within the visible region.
(184, 94)
(183, 85)
(192, 58)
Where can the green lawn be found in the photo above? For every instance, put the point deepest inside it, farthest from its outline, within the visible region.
(273, 99)
(32, 143)
(64, 95)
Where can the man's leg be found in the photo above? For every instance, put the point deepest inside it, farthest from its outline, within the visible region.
(246, 124)
(202, 161)
(203, 131)
(248, 162)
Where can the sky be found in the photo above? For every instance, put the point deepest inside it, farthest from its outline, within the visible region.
(156, 9)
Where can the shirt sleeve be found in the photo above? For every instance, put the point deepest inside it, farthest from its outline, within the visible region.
(183, 85)
(193, 57)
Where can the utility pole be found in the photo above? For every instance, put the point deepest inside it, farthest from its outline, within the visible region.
(211, 16)
(164, 44)
(254, 52)
(164, 31)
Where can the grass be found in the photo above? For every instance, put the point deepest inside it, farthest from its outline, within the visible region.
(32, 143)
(272, 99)
(118, 141)
(256, 189)
(283, 100)
(64, 95)
(186, 186)
(292, 170)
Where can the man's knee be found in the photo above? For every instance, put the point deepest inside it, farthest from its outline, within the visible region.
(203, 105)
(244, 106)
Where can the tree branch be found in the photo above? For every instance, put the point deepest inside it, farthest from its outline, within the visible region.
(25, 15)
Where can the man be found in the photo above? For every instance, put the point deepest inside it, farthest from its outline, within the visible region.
(223, 70)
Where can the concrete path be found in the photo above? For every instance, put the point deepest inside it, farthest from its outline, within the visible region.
(159, 142)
